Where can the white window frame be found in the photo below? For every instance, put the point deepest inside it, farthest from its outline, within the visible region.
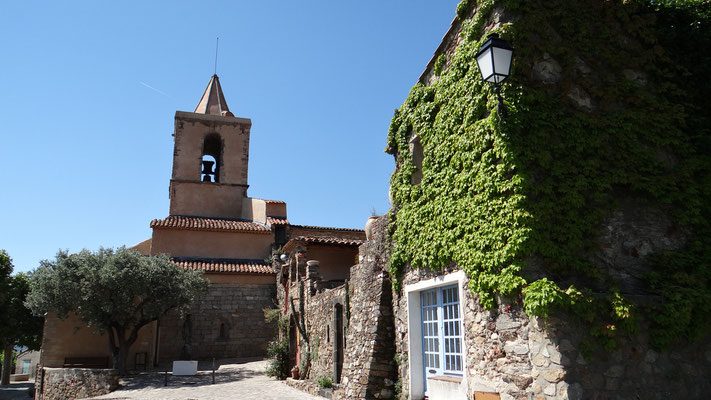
(414, 317)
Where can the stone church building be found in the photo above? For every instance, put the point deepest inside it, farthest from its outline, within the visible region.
(214, 227)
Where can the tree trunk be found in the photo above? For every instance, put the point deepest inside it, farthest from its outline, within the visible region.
(118, 348)
(6, 365)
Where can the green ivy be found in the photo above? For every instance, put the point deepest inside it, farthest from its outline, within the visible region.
(439, 64)
(518, 202)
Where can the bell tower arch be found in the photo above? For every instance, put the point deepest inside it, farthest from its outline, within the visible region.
(210, 158)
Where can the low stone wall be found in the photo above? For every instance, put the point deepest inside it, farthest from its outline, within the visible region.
(309, 386)
(74, 383)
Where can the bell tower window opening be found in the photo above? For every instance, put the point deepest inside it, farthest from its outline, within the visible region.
(211, 158)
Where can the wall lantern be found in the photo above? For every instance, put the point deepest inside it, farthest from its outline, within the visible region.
(494, 60)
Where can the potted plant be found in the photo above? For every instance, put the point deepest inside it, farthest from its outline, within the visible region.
(295, 372)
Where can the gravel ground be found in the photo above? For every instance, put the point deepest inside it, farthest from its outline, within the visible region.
(234, 379)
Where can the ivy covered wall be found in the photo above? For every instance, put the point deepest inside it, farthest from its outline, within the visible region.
(606, 112)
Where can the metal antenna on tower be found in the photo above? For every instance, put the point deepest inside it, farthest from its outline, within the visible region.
(217, 46)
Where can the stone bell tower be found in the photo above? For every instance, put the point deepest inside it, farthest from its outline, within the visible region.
(210, 158)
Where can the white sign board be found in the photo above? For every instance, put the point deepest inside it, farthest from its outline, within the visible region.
(184, 367)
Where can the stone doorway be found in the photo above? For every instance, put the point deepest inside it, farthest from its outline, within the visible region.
(337, 342)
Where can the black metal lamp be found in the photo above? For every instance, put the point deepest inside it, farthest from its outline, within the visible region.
(494, 60)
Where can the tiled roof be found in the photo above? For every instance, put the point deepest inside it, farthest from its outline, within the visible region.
(208, 224)
(326, 228)
(277, 221)
(226, 266)
(274, 201)
(327, 240)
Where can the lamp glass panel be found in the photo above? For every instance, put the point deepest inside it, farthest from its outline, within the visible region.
(502, 62)
(486, 65)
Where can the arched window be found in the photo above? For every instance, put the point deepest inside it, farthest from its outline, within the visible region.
(211, 158)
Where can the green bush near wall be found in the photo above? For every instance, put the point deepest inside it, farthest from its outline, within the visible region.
(518, 202)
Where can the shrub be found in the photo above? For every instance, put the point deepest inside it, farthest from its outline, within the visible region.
(278, 352)
(325, 382)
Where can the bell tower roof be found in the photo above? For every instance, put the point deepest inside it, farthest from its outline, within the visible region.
(213, 100)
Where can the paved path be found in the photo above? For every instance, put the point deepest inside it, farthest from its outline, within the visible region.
(233, 380)
(15, 391)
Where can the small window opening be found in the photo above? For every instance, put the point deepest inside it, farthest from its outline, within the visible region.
(328, 333)
(211, 158)
(418, 155)
(224, 332)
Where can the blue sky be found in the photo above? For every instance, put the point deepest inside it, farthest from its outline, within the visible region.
(90, 89)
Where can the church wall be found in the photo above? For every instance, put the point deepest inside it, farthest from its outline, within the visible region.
(259, 209)
(190, 132)
(143, 247)
(240, 279)
(187, 243)
(254, 210)
(237, 306)
(206, 199)
(71, 337)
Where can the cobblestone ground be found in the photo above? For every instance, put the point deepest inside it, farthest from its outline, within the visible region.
(235, 379)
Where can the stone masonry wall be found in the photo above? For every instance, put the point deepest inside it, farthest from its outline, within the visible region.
(238, 307)
(369, 368)
(526, 358)
(74, 383)
(320, 318)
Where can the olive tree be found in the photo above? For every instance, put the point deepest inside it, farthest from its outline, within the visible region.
(18, 327)
(113, 291)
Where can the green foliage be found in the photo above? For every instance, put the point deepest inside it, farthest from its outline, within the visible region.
(18, 327)
(540, 297)
(518, 202)
(114, 291)
(400, 358)
(278, 349)
(398, 389)
(314, 348)
(282, 321)
(439, 64)
(278, 358)
(463, 8)
(14, 357)
(325, 382)
(684, 278)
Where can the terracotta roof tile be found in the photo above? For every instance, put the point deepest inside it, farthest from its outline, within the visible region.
(277, 221)
(274, 201)
(208, 224)
(327, 228)
(226, 266)
(328, 240)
